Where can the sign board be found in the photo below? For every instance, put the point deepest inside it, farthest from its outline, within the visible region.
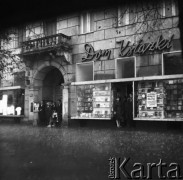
(151, 99)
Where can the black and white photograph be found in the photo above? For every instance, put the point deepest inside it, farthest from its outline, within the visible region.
(91, 90)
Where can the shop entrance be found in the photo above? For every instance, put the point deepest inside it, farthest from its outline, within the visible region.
(123, 88)
(123, 103)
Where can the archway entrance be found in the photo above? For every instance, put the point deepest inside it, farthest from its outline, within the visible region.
(47, 84)
(51, 85)
(47, 81)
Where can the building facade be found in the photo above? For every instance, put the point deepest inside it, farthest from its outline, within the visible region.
(87, 58)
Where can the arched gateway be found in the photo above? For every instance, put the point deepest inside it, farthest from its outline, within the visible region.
(47, 84)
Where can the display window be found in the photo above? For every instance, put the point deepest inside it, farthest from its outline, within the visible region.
(94, 101)
(159, 99)
(12, 102)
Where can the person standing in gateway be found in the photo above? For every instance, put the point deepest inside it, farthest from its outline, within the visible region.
(59, 111)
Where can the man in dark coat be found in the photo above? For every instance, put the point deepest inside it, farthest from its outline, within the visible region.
(48, 112)
(41, 109)
(129, 111)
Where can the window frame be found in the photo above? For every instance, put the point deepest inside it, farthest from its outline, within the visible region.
(119, 18)
(13, 42)
(173, 5)
(88, 17)
(32, 28)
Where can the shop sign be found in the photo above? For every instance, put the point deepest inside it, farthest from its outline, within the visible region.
(91, 54)
(141, 47)
(151, 99)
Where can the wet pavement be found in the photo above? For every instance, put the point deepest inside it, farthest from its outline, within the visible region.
(40, 153)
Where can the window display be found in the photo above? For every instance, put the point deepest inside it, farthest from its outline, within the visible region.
(151, 97)
(102, 101)
(12, 102)
(94, 101)
(161, 99)
(174, 103)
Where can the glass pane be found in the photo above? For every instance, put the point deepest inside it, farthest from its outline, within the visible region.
(161, 99)
(125, 68)
(84, 72)
(173, 63)
(94, 101)
(12, 102)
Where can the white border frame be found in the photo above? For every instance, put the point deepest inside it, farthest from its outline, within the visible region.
(81, 63)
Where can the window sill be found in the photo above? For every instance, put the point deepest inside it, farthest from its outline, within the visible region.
(157, 119)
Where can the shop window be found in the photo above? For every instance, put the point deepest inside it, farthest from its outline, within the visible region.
(173, 63)
(34, 30)
(94, 101)
(86, 22)
(160, 99)
(12, 102)
(125, 68)
(84, 72)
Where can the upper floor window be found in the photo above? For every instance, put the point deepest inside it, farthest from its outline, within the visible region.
(49, 27)
(34, 30)
(146, 11)
(123, 16)
(86, 22)
(170, 8)
(12, 40)
(127, 15)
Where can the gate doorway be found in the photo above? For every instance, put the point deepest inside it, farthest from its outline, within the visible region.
(51, 85)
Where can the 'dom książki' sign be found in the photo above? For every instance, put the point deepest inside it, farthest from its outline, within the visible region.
(141, 47)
